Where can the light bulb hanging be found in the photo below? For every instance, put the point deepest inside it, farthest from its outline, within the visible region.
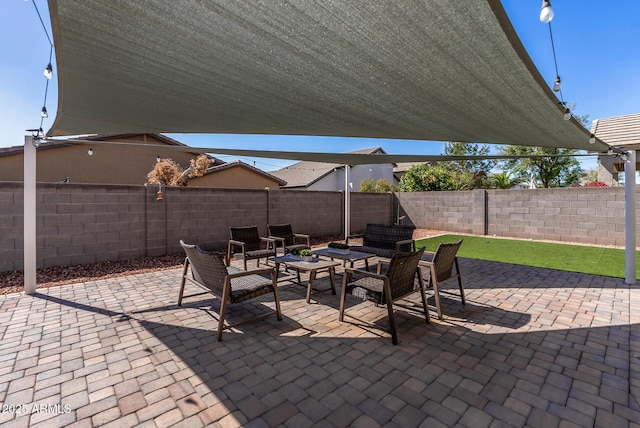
(546, 12)
(592, 139)
(48, 72)
(90, 152)
(567, 114)
(43, 113)
(158, 159)
(556, 84)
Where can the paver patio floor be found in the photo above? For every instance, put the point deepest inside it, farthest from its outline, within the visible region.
(532, 347)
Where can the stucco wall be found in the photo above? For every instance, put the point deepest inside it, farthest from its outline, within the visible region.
(73, 161)
(236, 177)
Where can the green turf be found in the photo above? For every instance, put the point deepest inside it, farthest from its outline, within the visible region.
(571, 258)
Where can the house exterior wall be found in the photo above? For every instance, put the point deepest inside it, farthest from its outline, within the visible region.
(233, 178)
(78, 224)
(109, 164)
(335, 180)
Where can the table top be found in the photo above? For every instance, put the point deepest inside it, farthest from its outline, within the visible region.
(296, 262)
(352, 256)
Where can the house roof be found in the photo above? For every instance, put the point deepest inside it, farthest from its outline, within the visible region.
(240, 164)
(53, 144)
(406, 166)
(408, 69)
(305, 173)
(619, 131)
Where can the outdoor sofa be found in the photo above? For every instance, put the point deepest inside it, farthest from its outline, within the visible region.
(384, 240)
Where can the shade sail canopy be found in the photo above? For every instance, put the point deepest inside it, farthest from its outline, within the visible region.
(336, 158)
(408, 69)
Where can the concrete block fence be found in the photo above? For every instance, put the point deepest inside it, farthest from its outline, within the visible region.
(78, 224)
(593, 216)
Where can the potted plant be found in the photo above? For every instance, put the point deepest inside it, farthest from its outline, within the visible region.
(338, 248)
(304, 253)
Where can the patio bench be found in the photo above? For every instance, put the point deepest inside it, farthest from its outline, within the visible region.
(384, 240)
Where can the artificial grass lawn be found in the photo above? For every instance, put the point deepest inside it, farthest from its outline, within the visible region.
(571, 258)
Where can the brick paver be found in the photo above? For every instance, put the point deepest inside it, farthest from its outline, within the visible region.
(532, 347)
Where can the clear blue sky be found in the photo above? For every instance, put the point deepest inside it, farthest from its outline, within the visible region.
(597, 46)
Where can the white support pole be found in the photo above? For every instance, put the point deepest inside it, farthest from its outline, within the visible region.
(347, 203)
(630, 217)
(29, 216)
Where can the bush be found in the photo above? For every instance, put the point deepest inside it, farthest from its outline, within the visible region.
(338, 245)
(301, 252)
(596, 184)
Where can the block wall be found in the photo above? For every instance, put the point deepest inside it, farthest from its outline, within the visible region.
(79, 224)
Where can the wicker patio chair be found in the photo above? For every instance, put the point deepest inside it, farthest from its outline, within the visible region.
(252, 246)
(283, 233)
(398, 282)
(437, 267)
(229, 284)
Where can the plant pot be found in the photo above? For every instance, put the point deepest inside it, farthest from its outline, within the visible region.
(307, 258)
(338, 250)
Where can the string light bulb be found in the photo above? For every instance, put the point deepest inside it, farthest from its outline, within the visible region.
(90, 151)
(546, 12)
(567, 114)
(556, 84)
(159, 194)
(43, 113)
(592, 139)
(158, 159)
(48, 72)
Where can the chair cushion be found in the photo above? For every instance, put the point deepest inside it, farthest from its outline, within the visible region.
(248, 287)
(380, 252)
(367, 289)
(255, 254)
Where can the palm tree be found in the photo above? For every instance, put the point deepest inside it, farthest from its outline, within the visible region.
(502, 180)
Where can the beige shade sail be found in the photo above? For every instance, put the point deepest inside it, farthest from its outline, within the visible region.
(407, 69)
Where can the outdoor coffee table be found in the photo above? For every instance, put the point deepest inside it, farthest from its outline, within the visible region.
(312, 267)
(352, 257)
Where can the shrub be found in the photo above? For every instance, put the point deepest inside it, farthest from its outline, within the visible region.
(596, 184)
(301, 252)
(338, 245)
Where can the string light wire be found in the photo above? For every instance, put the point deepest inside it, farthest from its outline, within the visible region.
(555, 62)
(43, 113)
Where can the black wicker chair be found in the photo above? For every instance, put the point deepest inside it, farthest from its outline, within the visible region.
(252, 246)
(437, 267)
(229, 284)
(398, 282)
(283, 233)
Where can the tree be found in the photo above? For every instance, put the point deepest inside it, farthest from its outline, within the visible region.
(589, 175)
(479, 169)
(170, 173)
(501, 181)
(381, 186)
(366, 185)
(559, 171)
(424, 177)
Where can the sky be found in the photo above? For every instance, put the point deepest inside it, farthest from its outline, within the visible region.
(596, 43)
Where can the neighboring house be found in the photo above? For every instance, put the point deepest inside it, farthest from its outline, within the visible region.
(60, 161)
(65, 162)
(328, 176)
(622, 132)
(236, 175)
(401, 169)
